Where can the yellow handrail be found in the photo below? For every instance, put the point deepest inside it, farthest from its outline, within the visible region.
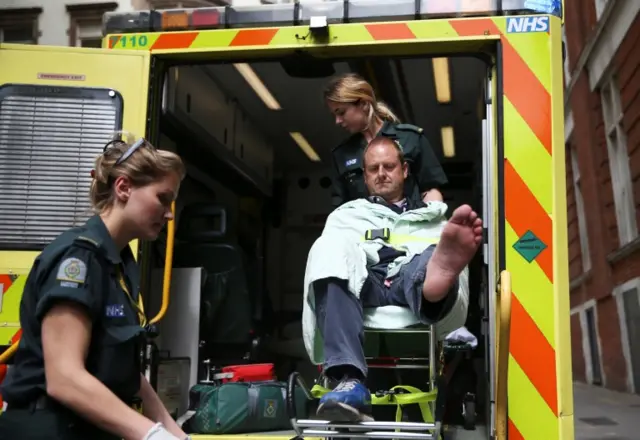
(4, 357)
(166, 285)
(168, 263)
(503, 328)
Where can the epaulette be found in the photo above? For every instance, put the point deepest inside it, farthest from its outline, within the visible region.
(409, 127)
(83, 239)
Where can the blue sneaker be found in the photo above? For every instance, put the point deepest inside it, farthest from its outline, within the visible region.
(350, 401)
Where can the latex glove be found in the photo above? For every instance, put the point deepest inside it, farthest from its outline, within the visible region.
(159, 432)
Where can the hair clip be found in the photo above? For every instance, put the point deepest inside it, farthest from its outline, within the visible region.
(132, 149)
(93, 174)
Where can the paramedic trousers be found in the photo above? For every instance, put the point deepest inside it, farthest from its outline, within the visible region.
(340, 317)
(45, 419)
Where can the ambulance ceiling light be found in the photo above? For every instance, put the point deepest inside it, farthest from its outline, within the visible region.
(258, 86)
(442, 79)
(448, 141)
(305, 146)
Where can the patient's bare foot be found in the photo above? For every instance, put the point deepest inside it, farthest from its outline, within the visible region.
(459, 242)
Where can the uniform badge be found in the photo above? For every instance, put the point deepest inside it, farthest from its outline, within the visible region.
(72, 272)
(114, 310)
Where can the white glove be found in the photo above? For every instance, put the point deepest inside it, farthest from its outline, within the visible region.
(159, 432)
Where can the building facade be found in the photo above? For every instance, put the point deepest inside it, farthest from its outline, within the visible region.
(72, 22)
(602, 109)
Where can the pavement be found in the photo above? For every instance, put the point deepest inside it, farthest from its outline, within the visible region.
(602, 414)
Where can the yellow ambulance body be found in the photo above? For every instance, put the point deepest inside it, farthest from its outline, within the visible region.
(524, 168)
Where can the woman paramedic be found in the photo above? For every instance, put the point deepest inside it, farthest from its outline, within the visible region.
(353, 103)
(77, 370)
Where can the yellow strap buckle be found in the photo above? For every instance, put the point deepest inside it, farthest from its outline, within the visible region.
(374, 234)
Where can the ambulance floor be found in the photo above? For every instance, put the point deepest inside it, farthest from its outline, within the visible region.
(453, 434)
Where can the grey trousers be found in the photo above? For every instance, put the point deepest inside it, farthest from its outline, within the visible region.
(340, 315)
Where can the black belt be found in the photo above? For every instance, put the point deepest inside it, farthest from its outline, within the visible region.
(42, 402)
(46, 402)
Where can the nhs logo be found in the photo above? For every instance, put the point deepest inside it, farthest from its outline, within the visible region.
(527, 24)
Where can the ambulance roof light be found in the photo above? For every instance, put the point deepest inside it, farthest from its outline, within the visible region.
(290, 14)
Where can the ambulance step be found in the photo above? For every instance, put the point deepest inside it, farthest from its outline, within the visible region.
(378, 430)
(370, 434)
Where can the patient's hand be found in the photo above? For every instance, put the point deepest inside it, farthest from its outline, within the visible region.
(433, 195)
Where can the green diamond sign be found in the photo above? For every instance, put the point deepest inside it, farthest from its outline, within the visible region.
(529, 246)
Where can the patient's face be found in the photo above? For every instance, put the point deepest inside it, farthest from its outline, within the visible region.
(384, 174)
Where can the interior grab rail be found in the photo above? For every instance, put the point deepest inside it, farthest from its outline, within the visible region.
(503, 328)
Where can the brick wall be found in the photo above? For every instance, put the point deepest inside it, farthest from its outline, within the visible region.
(589, 140)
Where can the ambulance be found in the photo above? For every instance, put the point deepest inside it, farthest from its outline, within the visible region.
(237, 92)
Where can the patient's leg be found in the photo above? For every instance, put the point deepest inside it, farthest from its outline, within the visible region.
(458, 244)
(428, 284)
(341, 321)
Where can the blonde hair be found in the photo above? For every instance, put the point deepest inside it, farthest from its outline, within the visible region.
(137, 160)
(351, 88)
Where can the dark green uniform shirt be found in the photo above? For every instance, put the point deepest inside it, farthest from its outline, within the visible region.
(81, 265)
(425, 172)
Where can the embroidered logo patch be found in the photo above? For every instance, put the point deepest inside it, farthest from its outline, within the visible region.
(114, 310)
(270, 408)
(351, 162)
(72, 270)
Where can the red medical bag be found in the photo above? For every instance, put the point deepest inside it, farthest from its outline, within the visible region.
(247, 373)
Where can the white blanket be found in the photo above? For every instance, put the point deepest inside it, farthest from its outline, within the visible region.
(341, 252)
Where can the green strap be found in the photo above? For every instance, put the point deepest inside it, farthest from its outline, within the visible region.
(414, 396)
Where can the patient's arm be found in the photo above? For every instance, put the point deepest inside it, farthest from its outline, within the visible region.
(433, 195)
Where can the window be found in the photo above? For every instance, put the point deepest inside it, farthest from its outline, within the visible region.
(565, 56)
(19, 26)
(627, 297)
(600, 5)
(590, 322)
(582, 221)
(49, 138)
(631, 305)
(618, 162)
(86, 23)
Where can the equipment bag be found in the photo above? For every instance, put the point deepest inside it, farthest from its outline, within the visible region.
(241, 407)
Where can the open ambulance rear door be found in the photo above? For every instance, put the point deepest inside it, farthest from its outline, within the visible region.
(58, 108)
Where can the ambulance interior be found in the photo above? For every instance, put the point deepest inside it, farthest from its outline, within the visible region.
(257, 138)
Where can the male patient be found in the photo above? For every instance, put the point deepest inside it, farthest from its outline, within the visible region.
(346, 273)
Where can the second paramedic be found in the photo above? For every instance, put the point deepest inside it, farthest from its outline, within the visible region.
(77, 370)
(352, 101)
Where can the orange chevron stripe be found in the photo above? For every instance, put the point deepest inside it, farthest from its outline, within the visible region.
(6, 281)
(513, 432)
(533, 101)
(170, 40)
(524, 212)
(113, 41)
(390, 31)
(253, 37)
(533, 353)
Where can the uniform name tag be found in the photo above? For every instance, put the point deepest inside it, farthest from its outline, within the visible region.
(114, 311)
(351, 162)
